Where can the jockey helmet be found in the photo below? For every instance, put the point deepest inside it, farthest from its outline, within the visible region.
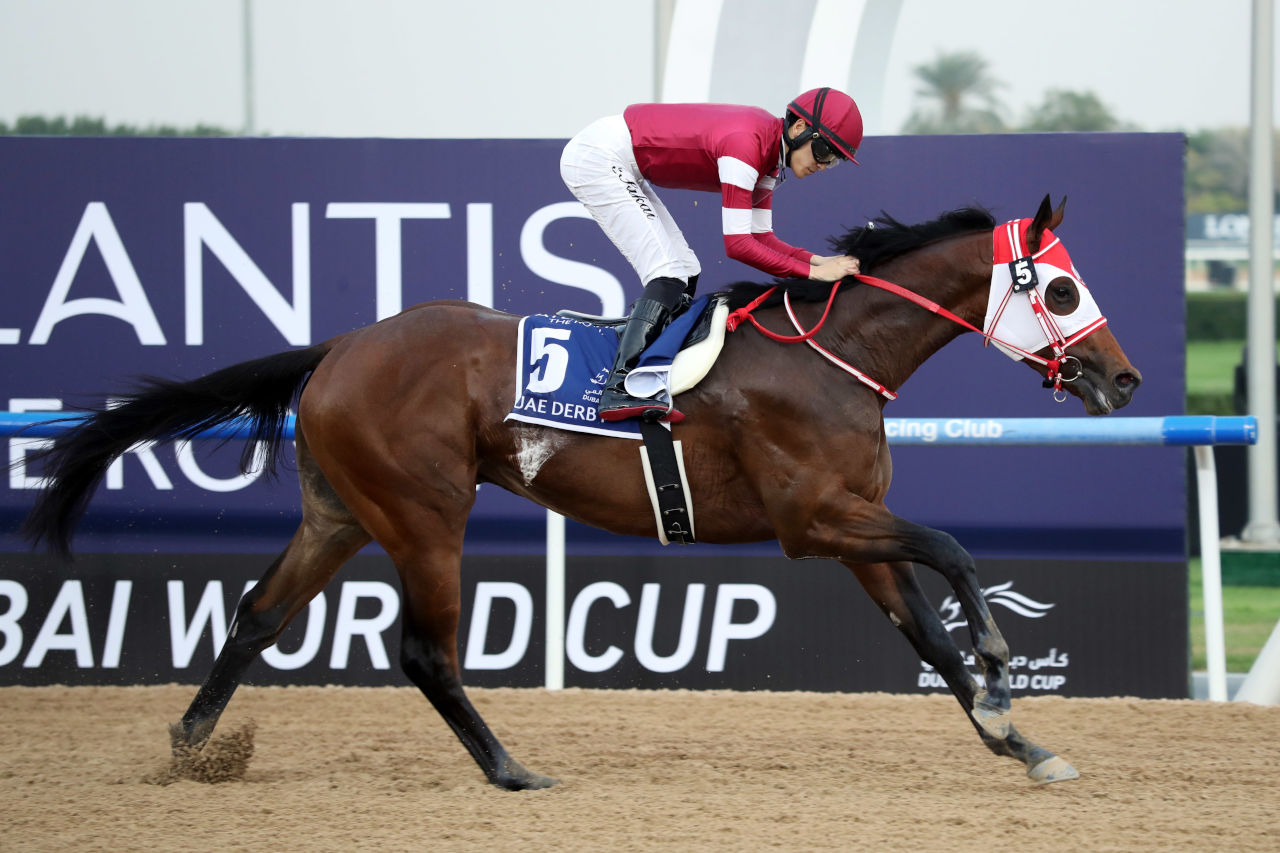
(830, 114)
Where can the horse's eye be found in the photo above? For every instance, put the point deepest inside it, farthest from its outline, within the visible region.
(1062, 292)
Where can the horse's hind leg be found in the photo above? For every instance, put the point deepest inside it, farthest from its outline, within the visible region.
(896, 590)
(429, 653)
(327, 537)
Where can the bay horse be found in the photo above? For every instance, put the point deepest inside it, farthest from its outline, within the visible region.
(398, 422)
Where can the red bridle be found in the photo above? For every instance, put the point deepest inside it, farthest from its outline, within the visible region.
(1054, 366)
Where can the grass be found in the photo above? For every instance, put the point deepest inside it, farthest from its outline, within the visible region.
(1249, 615)
(1211, 366)
(1211, 369)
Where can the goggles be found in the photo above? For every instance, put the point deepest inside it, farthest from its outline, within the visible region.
(824, 153)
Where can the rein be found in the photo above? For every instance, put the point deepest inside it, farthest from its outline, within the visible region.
(736, 317)
(745, 312)
(1055, 376)
(1054, 379)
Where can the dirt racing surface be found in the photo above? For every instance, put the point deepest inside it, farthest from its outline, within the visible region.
(376, 769)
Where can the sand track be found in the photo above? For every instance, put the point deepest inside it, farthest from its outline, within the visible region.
(375, 768)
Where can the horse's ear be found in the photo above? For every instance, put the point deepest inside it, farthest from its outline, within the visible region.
(1046, 217)
(1058, 215)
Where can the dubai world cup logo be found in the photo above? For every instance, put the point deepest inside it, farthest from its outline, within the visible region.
(1002, 594)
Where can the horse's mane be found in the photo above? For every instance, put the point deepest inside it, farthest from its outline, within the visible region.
(874, 244)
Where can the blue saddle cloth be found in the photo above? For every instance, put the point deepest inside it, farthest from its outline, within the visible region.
(562, 366)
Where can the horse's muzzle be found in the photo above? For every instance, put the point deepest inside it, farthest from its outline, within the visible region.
(1103, 395)
(1123, 384)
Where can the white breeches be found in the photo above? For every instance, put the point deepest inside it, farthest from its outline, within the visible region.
(600, 169)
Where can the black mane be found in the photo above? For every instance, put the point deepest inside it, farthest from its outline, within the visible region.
(874, 244)
(886, 238)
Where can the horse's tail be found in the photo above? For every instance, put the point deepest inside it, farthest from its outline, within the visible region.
(260, 391)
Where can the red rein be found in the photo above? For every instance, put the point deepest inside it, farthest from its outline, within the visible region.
(744, 313)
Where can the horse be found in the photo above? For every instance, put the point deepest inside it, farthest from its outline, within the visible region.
(399, 421)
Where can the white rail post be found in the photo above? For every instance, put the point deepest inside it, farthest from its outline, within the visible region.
(1211, 568)
(555, 601)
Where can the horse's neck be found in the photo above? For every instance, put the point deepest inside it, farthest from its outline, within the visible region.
(893, 336)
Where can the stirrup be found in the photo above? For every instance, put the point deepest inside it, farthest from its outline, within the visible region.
(648, 410)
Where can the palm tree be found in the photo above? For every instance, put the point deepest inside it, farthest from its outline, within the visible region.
(960, 96)
(1067, 110)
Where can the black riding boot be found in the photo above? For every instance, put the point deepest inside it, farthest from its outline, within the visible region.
(649, 316)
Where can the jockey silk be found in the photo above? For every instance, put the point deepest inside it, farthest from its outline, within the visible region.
(614, 164)
(733, 150)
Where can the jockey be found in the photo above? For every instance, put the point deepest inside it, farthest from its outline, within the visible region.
(738, 152)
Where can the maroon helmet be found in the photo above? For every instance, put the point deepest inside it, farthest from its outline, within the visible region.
(833, 116)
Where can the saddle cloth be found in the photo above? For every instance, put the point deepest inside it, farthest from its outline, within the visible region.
(563, 363)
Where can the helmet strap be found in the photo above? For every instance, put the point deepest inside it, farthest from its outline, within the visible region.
(801, 138)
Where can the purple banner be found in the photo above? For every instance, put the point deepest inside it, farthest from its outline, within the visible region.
(175, 257)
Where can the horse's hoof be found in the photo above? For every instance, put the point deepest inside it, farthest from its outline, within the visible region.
(181, 740)
(177, 738)
(514, 777)
(528, 782)
(1052, 769)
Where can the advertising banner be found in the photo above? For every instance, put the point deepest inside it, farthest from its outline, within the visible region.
(1091, 628)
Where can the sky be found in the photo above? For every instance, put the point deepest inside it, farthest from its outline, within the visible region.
(1161, 64)
(513, 68)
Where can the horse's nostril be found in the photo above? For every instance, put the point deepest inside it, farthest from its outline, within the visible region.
(1127, 381)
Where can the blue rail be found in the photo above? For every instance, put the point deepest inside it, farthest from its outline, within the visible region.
(1174, 430)
(53, 424)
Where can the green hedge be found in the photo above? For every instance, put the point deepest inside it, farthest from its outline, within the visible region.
(1218, 316)
(1210, 403)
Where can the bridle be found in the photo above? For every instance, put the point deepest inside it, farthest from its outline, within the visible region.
(1020, 269)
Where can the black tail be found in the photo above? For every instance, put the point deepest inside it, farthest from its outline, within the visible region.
(260, 390)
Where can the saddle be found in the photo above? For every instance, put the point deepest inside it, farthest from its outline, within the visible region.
(697, 352)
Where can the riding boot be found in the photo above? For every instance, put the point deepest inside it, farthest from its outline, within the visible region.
(686, 298)
(648, 318)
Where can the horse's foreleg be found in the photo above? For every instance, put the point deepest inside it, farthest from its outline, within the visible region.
(865, 532)
(896, 590)
(992, 702)
(941, 552)
(860, 531)
(429, 656)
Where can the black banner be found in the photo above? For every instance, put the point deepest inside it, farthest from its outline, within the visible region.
(1075, 628)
